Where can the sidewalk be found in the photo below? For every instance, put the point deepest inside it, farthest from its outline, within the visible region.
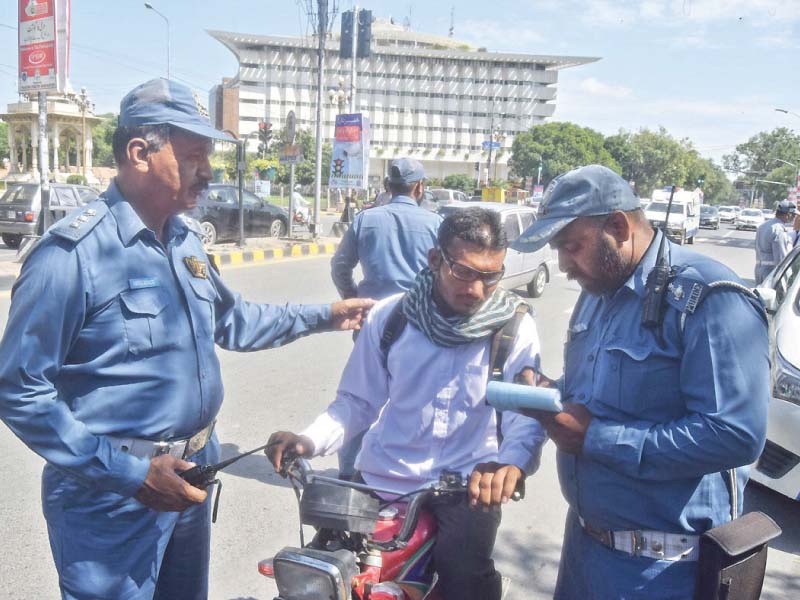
(254, 250)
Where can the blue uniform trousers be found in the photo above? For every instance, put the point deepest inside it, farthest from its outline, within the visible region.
(106, 546)
(591, 571)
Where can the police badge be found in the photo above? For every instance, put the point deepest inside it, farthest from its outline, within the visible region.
(197, 268)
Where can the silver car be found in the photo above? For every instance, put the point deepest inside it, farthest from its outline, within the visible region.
(529, 269)
(778, 467)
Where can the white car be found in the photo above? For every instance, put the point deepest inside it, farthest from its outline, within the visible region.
(727, 214)
(445, 197)
(749, 218)
(531, 270)
(778, 468)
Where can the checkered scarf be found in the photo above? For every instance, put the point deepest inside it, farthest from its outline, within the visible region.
(421, 311)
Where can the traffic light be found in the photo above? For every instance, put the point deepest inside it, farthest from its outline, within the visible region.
(477, 166)
(701, 180)
(364, 33)
(363, 30)
(264, 132)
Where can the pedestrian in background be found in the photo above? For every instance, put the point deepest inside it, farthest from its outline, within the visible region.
(108, 367)
(659, 423)
(773, 240)
(391, 242)
(384, 197)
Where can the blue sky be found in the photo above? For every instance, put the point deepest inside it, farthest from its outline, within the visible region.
(709, 70)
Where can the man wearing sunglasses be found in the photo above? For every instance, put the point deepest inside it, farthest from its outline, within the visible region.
(422, 399)
(391, 242)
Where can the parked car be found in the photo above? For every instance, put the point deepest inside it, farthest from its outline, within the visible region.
(444, 196)
(218, 214)
(530, 269)
(709, 216)
(749, 218)
(778, 468)
(21, 205)
(768, 213)
(727, 214)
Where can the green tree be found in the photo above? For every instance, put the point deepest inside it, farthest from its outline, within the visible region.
(652, 159)
(465, 183)
(771, 192)
(102, 135)
(4, 149)
(559, 147)
(759, 153)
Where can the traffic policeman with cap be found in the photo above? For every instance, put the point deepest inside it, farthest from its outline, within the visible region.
(773, 240)
(108, 368)
(659, 423)
(391, 242)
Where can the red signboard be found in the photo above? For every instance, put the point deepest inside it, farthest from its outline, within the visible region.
(42, 54)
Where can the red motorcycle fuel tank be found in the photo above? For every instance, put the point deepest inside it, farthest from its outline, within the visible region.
(405, 563)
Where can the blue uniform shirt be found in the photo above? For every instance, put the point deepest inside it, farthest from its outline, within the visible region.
(110, 332)
(673, 408)
(391, 242)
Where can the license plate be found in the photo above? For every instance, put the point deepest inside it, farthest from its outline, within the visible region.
(11, 214)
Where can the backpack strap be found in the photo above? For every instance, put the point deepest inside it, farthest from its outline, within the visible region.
(395, 324)
(503, 340)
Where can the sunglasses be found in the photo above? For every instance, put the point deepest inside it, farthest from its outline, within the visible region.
(465, 273)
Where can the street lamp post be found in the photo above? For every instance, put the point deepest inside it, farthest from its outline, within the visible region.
(787, 112)
(83, 102)
(339, 97)
(166, 20)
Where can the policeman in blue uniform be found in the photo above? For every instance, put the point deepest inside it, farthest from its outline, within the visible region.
(108, 368)
(659, 424)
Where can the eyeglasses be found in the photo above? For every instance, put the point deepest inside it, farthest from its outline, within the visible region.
(465, 273)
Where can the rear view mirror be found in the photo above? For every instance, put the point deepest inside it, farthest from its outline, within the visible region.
(769, 298)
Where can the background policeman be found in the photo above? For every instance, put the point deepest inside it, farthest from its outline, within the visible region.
(774, 240)
(108, 367)
(654, 418)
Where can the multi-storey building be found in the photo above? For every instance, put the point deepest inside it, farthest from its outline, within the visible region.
(429, 97)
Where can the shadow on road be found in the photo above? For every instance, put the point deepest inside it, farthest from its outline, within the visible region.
(783, 510)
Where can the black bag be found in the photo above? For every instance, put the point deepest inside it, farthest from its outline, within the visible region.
(733, 557)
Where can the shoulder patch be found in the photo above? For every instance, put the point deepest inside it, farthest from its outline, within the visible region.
(685, 294)
(81, 222)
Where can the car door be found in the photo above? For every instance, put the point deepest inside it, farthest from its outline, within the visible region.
(222, 209)
(543, 256)
(515, 262)
(63, 200)
(256, 221)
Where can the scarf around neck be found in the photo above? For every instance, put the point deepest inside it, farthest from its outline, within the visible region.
(421, 311)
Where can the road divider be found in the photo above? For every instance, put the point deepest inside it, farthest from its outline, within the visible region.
(236, 257)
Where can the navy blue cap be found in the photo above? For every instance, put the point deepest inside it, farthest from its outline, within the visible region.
(584, 192)
(165, 102)
(786, 206)
(406, 171)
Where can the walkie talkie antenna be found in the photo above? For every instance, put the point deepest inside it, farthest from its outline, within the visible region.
(657, 279)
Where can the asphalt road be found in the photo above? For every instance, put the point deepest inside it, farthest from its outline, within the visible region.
(284, 389)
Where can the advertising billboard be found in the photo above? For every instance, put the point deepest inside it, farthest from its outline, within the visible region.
(350, 159)
(43, 45)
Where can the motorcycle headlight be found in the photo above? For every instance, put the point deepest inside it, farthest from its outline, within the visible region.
(308, 574)
(786, 384)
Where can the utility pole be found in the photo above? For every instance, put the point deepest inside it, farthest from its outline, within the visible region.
(44, 157)
(353, 65)
(491, 144)
(322, 33)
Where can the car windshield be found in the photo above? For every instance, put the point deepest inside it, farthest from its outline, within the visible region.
(708, 210)
(658, 206)
(751, 212)
(19, 194)
(441, 194)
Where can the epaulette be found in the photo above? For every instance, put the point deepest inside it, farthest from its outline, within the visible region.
(82, 221)
(685, 293)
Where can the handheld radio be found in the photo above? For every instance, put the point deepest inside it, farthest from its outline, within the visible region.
(657, 280)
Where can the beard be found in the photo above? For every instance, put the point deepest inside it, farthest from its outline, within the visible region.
(608, 270)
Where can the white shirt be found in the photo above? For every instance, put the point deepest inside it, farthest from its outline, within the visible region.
(426, 411)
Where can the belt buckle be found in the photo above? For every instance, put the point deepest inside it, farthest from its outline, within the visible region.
(162, 448)
(638, 543)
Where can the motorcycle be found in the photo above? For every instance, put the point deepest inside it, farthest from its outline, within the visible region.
(364, 548)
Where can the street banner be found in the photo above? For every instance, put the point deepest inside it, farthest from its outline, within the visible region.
(538, 191)
(350, 159)
(43, 36)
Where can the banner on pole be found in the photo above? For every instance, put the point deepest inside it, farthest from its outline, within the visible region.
(350, 159)
(43, 36)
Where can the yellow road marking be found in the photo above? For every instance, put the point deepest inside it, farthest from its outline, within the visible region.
(297, 250)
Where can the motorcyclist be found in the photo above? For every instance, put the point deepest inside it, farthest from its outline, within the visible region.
(422, 399)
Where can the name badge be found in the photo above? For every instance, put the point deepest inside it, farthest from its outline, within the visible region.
(143, 282)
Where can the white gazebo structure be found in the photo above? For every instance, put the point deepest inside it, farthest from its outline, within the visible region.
(70, 118)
